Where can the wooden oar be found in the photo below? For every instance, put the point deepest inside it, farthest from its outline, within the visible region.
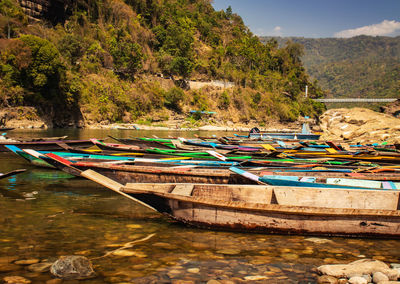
(248, 175)
(217, 155)
(96, 177)
(111, 184)
(12, 173)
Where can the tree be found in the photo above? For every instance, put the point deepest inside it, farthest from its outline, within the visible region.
(228, 12)
(181, 66)
(46, 69)
(13, 13)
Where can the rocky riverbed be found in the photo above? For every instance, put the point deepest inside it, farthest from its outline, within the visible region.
(362, 271)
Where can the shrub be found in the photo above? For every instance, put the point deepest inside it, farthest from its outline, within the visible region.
(224, 100)
(173, 99)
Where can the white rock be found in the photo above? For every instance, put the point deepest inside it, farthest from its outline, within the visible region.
(358, 280)
(358, 267)
(379, 276)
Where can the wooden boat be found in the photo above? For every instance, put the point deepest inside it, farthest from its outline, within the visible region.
(319, 182)
(171, 173)
(40, 139)
(303, 165)
(147, 142)
(32, 154)
(305, 134)
(287, 136)
(270, 209)
(46, 145)
(6, 128)
(12, 173)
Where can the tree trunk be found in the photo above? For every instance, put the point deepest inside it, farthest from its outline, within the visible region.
(8, 29)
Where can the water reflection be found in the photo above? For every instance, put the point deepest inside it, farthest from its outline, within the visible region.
(75, 216)
(12, 182)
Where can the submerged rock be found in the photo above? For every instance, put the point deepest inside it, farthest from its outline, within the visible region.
(318, 240)
(8, 267)
(73, 267)
(40, 267)
(27, 261)
(16, 280)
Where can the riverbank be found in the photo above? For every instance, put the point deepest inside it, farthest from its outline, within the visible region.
(29, 118)
(205, 127)
(356, 125)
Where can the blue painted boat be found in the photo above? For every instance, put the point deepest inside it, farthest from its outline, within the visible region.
(28, 155)
(296, 181)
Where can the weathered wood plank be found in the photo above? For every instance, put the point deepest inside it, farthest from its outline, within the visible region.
(183, 189)
(333, 198)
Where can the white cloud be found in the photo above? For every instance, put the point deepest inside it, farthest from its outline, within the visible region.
(384, 28)
(278, 31)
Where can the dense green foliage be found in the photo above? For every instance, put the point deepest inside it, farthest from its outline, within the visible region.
(103, 60)
(362, 66)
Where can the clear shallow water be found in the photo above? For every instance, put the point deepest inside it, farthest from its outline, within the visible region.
(46, 214)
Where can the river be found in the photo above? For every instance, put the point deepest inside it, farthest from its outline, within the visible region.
(46, 214)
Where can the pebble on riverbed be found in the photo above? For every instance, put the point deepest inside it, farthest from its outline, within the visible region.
(359, 272)
(16, 280)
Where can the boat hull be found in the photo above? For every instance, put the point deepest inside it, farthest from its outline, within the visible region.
(270, 209)
(129, 174)
(46, 145)
(273, 221)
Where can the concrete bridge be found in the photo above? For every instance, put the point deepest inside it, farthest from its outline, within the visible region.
(357, 100)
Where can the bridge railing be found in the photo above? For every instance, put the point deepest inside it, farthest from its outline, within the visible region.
(357, 100)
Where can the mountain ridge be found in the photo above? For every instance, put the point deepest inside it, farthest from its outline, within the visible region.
(362, 66)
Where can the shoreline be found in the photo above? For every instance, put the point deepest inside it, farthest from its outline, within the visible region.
(200, 128)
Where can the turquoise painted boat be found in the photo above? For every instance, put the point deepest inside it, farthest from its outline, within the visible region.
(296, 181)
(35, 159)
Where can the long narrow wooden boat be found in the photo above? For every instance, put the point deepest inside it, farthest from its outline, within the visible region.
(39, 139)
(301, 152)
(270, 209)
(46, 145)
(319, 182)
(289, 136)
(147, 142)
(139, 172)
(273, 164)
(6, 128)
(12, 173)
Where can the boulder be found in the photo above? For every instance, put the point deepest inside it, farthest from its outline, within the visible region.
(326, 279)
(392, 108)
(73, 267)
(358, 280)
(379, 277)
(359, 125)
(358, 267)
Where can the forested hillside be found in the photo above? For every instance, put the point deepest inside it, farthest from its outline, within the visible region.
(99, 60)
(361, 66)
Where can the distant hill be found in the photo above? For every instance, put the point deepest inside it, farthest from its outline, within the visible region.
(362, 66)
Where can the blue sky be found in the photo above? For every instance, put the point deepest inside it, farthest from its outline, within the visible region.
(317, 18)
